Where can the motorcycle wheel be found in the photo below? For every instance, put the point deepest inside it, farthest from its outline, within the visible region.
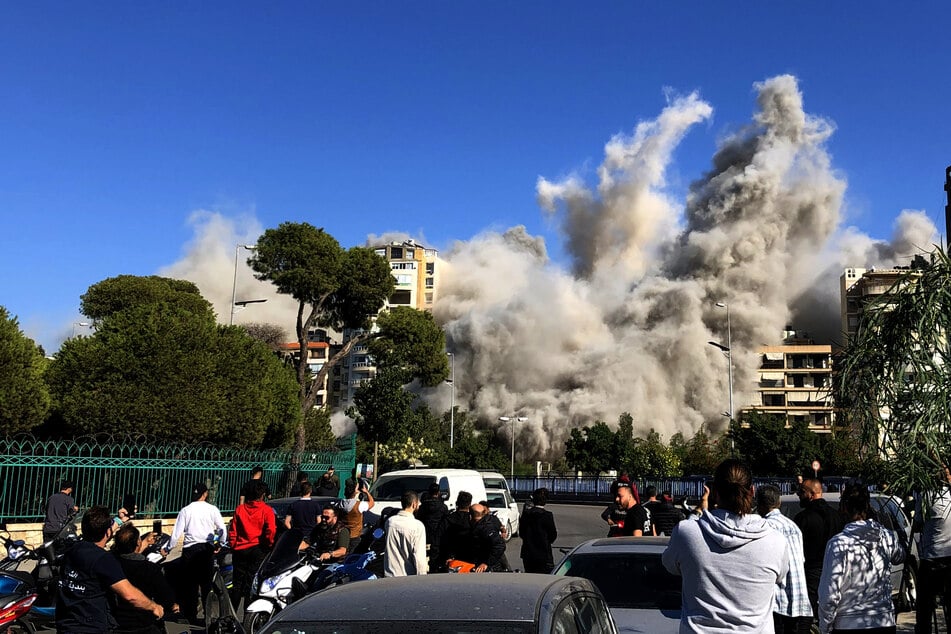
(254, 621)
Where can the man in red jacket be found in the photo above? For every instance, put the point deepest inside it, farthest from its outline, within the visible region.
(251, 537)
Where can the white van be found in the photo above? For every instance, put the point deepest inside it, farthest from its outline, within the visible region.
(389, 487)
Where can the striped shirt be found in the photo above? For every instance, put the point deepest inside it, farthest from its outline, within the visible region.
(791, 598)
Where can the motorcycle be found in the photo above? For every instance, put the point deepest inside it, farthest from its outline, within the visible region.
(287, 574)
(28, 599)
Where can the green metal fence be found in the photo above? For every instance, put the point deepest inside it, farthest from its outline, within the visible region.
(160, 476)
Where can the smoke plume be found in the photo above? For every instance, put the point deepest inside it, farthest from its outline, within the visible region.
(627, 329)
(626, 326)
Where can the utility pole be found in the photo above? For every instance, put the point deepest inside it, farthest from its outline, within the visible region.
(947, 208)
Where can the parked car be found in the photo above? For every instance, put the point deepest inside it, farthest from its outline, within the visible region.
(642, 595)
(889, 513)
(389, 487)
(449, 604)
(505, 508)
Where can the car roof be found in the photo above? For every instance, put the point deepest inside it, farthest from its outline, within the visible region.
(611, 545)
(453, 597)
(431, 472)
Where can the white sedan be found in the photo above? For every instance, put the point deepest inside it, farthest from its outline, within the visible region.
(506, 509)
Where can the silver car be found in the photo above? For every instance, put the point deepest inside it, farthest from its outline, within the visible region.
(642, 595)
(890, 515)
(451, 604)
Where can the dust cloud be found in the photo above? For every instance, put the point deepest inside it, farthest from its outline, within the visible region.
(626, 325)
(627, 328)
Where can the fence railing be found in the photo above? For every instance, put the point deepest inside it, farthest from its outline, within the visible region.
(160, 476)
(599, 487)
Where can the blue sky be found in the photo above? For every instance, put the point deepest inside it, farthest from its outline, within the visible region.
(119, 120)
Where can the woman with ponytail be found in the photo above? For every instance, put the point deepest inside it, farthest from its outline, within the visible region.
(730, 559)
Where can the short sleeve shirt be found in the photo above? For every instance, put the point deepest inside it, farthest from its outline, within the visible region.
(82, 603)
(303, 514)
(58, 509)
(637, 519)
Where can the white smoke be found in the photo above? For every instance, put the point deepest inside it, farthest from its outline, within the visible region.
(209, 262)
(628, 328)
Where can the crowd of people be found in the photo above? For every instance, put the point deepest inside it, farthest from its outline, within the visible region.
(745, 566)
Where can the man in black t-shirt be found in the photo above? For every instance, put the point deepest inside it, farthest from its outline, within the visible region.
(89, 575)
(637, 519)
(303, 513)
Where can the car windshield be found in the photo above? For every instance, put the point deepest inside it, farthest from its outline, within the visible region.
(496, 500)
(399, 627)
(392, 489)
(627, 580)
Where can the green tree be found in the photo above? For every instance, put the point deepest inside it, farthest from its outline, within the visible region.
(591, 449)
(116, 294)
(168, 370)
(701, 454)
(624, 441)
(772, 448)
(24, 397)
(651, 458)
(341, 289)
(894, 387)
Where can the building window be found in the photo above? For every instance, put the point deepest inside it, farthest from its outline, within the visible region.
(410, 254)
(429, 282)
(430, 268)
(381, 252)
(429, 298)
(396, 253)
(401, 298)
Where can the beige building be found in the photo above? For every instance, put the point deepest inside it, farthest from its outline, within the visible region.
(795, 382)
(858, 287)
(318, 352)
(416, 271)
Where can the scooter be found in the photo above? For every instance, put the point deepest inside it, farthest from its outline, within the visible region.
(28, 599)
(287, 574)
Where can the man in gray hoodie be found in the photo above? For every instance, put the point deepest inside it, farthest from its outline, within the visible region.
(730, 560)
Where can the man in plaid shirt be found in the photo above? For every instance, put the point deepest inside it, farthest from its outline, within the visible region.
(792, 613)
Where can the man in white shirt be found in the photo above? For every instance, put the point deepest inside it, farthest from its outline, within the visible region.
(405, 541)
(203, 529)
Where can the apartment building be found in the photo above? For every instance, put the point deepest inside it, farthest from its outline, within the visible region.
(859, 287)
(416, 270)
(795, 382)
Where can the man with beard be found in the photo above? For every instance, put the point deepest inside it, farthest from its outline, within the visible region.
(818, 522)
(637, 519)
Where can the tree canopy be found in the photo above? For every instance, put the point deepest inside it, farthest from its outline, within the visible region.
(166, 369)
(24, 397)
(345, 289)
(128, 291)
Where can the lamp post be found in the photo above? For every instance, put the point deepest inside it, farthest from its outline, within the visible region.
(84, 324)
(234, 281)
(452, 397)
(513, 419)
(728, 353)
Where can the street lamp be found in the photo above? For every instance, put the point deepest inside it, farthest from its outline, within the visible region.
(513, 419)
(452, 396)
(234, 281)
(728, 353)
(84, 324)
